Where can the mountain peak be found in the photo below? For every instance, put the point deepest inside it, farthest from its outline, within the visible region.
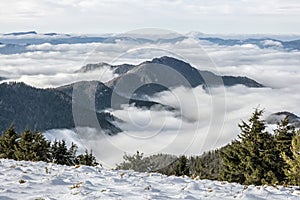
(170, 61)
(22, 33)
(92, 67)
(191, 74)
(275, 118)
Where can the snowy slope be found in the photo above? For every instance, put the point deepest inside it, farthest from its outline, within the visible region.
(38, 180)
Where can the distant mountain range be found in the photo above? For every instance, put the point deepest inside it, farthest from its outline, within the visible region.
(21, 33)
(17, 42)
(45, 109)
(261, 43)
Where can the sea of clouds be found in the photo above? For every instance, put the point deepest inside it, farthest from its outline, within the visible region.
(203, 120)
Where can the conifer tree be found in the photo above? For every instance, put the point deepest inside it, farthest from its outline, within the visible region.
(25, 149)
(41, 147)
(293, 172)
(87, 159)
(8, 143)
(259, 158)
(61, 155)
(32, 146)
(232, 169)
(284, 134)
(72, 154)
(253, 153)
(182, 167)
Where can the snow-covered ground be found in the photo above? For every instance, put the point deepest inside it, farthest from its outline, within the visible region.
(38, 180)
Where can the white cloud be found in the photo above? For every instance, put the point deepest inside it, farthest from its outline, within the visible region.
(155, 130)
(158, 131)
(69, 136)
(272, 67)
(271, 43)
(54, 65)
(180, 15)
(275, 68)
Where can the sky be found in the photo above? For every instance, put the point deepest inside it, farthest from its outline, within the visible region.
(115, 16)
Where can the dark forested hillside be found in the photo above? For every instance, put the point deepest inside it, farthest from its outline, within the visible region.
(100, 94)
(41, 109)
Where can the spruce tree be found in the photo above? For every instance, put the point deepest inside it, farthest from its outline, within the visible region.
(32, 146)
(61, 155)
(284, 134)
(182, 167)
(253, 153)
(41, 147)
(206, 166)
(293, 171)
(232, 169)
(259, 158)
(9, 143)
(72, 154)
(25, 149)
(87, 159)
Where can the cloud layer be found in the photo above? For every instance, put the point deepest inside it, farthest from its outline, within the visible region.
(193, 128)
(86, 16)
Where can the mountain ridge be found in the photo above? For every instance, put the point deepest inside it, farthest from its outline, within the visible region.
(164, 69)
(45, 109)
(276, 117)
